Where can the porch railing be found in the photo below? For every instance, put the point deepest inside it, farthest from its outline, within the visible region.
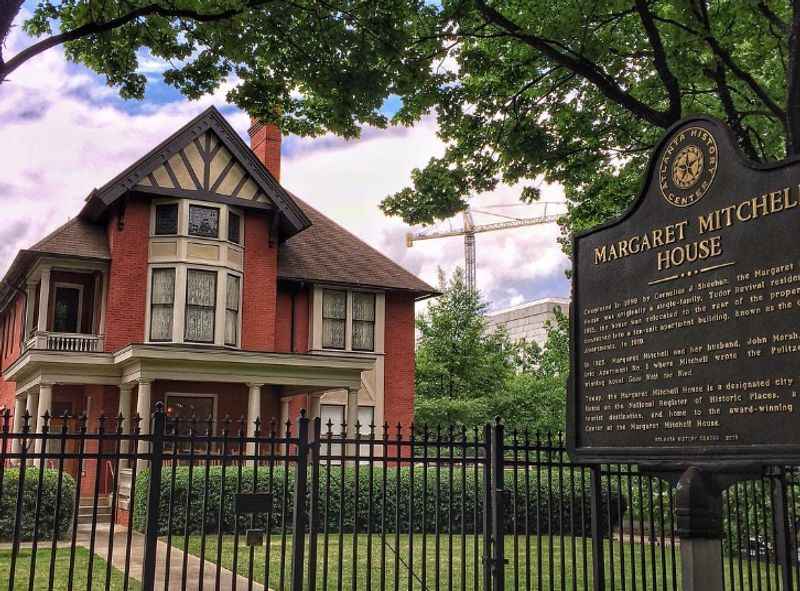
(64, 341)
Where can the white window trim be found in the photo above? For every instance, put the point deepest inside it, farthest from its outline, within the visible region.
(52, 315)
(200, 420)
(316, 320)
(179, 304)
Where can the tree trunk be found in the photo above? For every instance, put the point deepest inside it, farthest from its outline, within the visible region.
(9, 9)
(793, 84)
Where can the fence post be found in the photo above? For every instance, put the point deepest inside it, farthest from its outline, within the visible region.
(313, 524)
(598, 559)
(153, 499)
(498, 508)
(487, 507)
(299, 506)
(783, 538)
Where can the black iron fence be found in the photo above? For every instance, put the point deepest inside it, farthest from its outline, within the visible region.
(199, 504)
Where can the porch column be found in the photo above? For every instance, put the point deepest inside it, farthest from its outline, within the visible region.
(19, 421)
(352, 419)
(45, 406)
(143, 409)
(315, 411)
(253, 413)
(32, 406)
(44, 299)
(124, 416)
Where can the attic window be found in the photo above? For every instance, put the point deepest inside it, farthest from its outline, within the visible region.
(203, 221)
(167, 219)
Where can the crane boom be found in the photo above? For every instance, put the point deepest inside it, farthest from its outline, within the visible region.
(469, 230)
(545, 219)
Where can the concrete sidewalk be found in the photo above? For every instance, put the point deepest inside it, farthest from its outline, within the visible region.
(228, 582)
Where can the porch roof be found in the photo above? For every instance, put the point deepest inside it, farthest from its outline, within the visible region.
(147, 362)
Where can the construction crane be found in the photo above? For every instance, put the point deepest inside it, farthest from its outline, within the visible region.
(469, 229)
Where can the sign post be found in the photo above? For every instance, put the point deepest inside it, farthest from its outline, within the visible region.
(685, 333)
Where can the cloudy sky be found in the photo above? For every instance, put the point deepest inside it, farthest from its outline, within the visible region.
(64, 132)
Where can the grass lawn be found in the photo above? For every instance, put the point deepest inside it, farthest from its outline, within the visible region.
(541, 563)
(544, 561)
(80, 579)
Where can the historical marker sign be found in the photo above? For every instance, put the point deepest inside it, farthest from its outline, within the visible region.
(686, 312)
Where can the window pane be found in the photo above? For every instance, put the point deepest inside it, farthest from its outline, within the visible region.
(200, 324)
(163, 290)
(334, 304)
(363, 306)
(65, 314)
(363, 335)
(333, 333)
(366, 414)
(201, 299)
(203, 221)
(167, 218)
(161, 323)
(232, 293)
(231, 327)
(234, 227)
(201, 288)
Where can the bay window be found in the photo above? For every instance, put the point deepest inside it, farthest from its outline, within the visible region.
(201, 305)
(334, 318)
(203, 221)
(234, 227)
(232, 310)
(162, 303)
(166, 219)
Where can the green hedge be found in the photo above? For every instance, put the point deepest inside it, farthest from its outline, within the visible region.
(550, 507)
(46, 494)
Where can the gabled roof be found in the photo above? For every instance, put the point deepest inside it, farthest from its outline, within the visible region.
(77, 238)
(214, 129)
(327, 253)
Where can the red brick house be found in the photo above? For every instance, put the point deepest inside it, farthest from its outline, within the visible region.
(194, 278)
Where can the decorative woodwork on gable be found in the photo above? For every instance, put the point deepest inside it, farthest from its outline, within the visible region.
(205, 164)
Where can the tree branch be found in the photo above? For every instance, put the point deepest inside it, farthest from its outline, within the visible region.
(579, 65)
(94, 28)
(660, 58)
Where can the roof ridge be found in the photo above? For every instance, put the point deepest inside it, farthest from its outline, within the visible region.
(355, 237)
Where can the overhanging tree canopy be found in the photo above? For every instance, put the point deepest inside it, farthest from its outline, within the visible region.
(309, 65)
(579, 91)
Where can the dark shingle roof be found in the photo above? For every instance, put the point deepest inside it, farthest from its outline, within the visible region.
(77, 237)
(328, 253)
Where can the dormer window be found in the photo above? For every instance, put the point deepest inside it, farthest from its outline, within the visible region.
(67, 308)
(203, 221)
(166, 219)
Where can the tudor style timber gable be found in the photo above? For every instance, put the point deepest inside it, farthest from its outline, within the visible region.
(205, 160)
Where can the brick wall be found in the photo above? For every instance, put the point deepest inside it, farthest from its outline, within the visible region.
(11, 326)
(127, 287)
(399, 360)
(259, 292)
(284, 323)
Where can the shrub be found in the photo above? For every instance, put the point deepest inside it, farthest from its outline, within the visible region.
(549, 505)
(46, 494)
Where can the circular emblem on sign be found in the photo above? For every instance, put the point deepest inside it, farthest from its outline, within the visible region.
(688, 166)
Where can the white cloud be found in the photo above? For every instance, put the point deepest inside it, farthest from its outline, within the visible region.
(63, 132)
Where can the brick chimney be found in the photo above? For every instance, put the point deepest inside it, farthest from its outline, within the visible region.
(265, 141)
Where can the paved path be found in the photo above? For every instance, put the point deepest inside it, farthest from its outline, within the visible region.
(193, 564)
